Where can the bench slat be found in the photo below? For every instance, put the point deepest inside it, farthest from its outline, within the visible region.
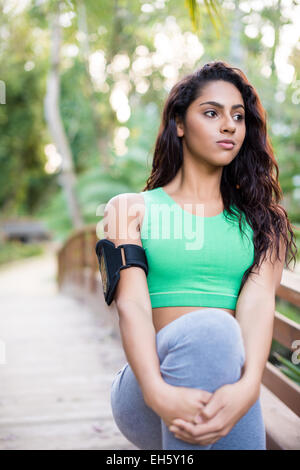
(282, 386)
(286, 331)
(282, 425)
(289, 288)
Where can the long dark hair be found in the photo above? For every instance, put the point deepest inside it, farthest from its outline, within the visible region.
(250, 181)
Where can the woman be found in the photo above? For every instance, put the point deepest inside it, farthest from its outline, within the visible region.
(197, 330)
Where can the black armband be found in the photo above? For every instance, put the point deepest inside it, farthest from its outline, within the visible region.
(110, 263)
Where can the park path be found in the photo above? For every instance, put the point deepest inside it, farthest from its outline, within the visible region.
(57, 364)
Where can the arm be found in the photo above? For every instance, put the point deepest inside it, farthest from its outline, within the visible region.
(132, 299)
(138, 339)
(255, 313)
(137, 330)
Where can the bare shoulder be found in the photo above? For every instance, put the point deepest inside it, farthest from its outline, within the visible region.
(123, 217)
(132, 199)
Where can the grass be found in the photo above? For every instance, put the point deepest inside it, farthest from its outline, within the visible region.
(14, 250)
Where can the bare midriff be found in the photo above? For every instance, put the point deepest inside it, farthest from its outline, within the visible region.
(161, 316)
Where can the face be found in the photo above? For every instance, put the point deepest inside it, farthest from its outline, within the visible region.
(205, 124)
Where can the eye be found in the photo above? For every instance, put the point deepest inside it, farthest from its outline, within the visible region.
(241, 117)
(210, 112)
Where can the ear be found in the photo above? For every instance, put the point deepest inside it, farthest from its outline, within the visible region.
(180, 129)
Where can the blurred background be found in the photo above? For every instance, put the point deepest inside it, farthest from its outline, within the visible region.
(82, 87)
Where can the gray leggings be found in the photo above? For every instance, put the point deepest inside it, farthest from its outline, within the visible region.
(202, 349)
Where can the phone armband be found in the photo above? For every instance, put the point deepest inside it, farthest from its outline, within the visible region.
(111, 262)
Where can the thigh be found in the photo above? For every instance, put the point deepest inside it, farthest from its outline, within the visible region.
(136, 421)
(248, 433)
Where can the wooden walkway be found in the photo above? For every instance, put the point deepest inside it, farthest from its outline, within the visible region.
(59, 362)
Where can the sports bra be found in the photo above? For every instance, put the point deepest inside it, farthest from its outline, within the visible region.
(193, 260)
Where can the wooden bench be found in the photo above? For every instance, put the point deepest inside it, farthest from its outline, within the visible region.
(78, 274)
(280, 396)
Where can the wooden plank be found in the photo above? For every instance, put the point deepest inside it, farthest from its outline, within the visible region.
(289, 288)
(282, 386)
(291, 279)
(282, 425)
(286, 331)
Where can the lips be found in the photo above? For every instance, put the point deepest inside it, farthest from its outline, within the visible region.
(226, 141)
(226, 145)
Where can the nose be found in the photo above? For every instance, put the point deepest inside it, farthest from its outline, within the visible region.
(229, 125)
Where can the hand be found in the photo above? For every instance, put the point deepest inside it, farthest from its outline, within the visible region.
(172, 402)
(225, 408)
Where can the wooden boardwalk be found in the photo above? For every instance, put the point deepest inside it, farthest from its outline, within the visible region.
(59, 362)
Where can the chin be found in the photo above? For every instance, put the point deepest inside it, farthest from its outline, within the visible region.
(224, 161)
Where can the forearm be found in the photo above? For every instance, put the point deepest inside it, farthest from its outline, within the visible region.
(256, 321)
(139, 343)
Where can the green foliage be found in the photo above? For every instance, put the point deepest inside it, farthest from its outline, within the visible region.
(77, 115)
(14, 250)
(96, 186)
(290, 369)
(23, 181)
(288, 310)
(281, 357)
(88, 117)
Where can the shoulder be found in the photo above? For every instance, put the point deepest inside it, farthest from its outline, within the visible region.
(129, 197)
(131, 203)
(125, 208)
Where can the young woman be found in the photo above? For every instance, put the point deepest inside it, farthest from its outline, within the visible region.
(197, 330)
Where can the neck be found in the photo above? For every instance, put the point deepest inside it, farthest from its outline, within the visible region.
(197, 182)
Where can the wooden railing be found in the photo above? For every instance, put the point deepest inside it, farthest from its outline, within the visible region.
(78, 274)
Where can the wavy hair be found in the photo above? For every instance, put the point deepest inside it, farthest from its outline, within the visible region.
(250, 181)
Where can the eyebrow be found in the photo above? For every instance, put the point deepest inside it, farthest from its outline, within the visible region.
(221, 105)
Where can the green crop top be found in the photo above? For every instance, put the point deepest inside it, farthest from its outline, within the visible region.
(192, 259)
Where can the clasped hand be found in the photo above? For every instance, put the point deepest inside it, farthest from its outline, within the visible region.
(204, 417)
(224, 409)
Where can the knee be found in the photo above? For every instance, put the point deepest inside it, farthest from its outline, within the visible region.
(207, 351)
(216, 331)
(215, 322)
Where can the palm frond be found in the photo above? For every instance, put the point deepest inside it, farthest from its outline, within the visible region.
(213, 9)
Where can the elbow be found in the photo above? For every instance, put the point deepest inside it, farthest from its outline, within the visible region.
(263, 307)
(128, 308)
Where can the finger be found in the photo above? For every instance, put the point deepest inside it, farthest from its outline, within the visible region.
(195, 429)
(210, 410)
(199, 418)
(205, 396)
(181, 433)
(184, 434)
(204, 440)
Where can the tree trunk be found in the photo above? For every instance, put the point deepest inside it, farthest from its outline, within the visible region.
(56, 128)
